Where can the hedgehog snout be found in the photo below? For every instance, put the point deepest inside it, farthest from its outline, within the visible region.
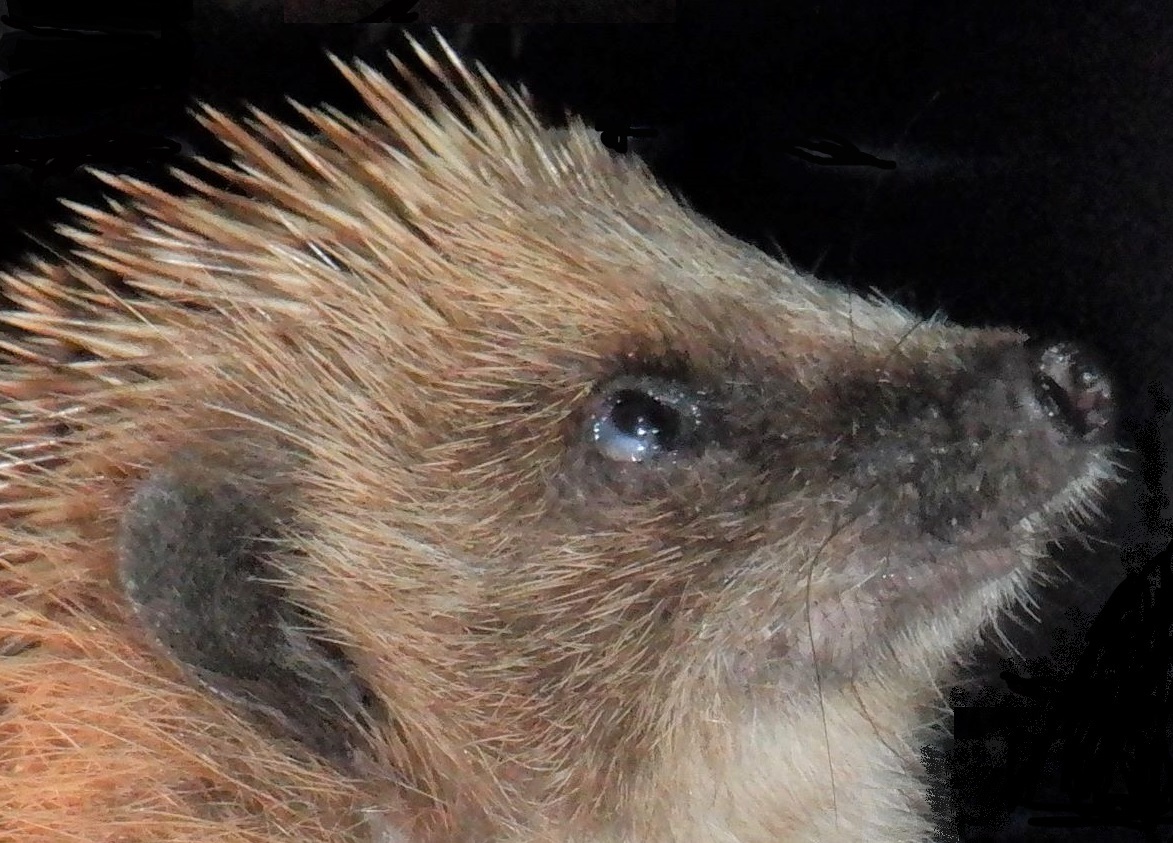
(1073, 390)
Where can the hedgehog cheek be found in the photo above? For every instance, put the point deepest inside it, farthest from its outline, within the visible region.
(194, 562)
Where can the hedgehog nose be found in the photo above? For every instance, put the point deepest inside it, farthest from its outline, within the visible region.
(1073, 390)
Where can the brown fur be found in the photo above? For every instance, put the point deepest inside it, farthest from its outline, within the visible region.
(375, 350)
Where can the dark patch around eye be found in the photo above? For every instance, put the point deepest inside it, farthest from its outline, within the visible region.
(668, 366)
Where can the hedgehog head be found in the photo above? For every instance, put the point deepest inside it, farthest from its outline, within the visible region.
(459, 453)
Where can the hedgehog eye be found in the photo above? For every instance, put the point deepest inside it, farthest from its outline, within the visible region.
(634, 423)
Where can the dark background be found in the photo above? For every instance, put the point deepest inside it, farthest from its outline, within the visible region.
(1003, 162)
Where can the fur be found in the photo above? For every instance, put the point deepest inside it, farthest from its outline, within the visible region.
(314, 528)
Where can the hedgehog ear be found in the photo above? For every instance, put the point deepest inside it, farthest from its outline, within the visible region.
(194, 560)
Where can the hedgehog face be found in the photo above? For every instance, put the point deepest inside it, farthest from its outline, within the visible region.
(521, 555)
(461, 454)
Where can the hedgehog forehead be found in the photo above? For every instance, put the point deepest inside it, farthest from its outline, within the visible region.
(463, 219)
(563, 269)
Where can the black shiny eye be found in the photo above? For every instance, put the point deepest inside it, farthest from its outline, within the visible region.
(633, 424)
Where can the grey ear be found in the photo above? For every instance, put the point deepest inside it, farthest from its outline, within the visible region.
(194, 561)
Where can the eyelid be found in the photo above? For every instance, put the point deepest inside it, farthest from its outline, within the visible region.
(675, 394)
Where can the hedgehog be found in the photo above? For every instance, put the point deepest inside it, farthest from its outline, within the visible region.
(437, 475)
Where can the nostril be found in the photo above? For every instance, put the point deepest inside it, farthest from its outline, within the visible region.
(1074, 390)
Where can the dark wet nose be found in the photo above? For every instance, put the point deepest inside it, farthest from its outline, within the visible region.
(1073, 390)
